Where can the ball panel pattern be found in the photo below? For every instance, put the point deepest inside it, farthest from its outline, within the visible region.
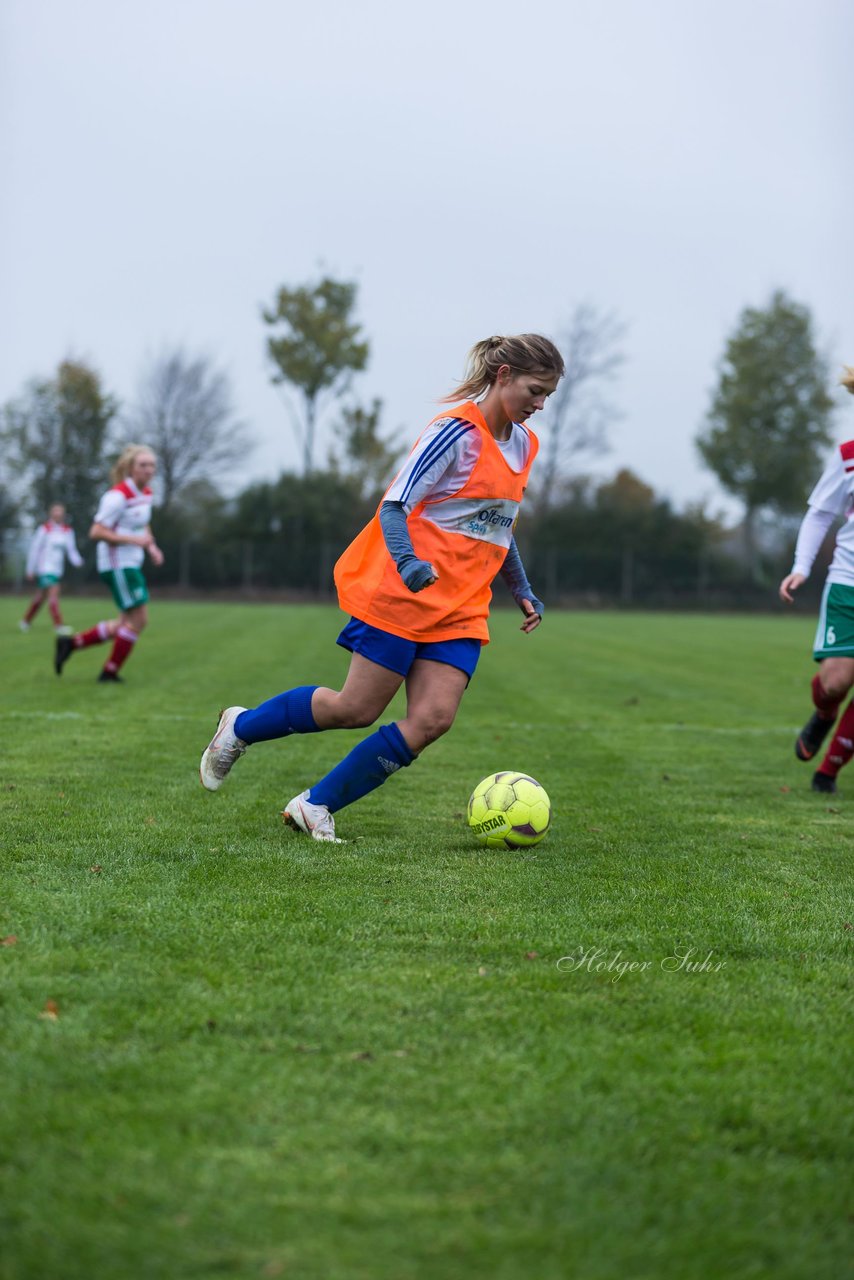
(509, 810)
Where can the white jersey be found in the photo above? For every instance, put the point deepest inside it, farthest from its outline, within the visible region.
(832, 498)
(126, 509)
(50, 545)
(443, 458)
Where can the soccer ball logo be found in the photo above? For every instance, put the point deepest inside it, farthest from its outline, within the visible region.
(509, 811)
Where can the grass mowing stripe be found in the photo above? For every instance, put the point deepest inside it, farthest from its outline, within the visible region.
(408, 1056)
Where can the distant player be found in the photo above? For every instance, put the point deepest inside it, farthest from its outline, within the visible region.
(417, 582)
(832, 497)
(122, 529)
(52, 543)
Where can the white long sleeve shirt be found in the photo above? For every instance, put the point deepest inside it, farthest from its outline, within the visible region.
(832, 498)
(50, 545)
(126, 509)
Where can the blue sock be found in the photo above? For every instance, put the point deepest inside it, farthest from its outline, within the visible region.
(364, 769)
(287, 713)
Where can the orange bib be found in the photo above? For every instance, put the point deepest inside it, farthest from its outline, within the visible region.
(465, 537)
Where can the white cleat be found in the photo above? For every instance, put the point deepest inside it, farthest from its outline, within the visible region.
(222, 751)
(63, 630)
(314, 819)
(24, 625)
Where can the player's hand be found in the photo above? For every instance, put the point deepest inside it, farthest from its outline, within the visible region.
(155, 555)
(532, 618)
(417, 574)
(790, 584)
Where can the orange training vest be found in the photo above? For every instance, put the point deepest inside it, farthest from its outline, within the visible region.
(465, 537)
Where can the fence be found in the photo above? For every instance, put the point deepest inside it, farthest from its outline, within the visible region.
(618, 576)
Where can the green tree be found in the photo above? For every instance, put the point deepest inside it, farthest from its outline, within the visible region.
(770, 415)
(55, 435)
(365, 455)
(297, 531)
(626, 494)
(316, 348)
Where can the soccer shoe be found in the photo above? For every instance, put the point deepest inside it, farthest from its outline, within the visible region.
(222, 750)
(24, 625)
(812, 735)
(314, 819)
(63, 629)
(823, 782)
(62, 652)
(110, 677)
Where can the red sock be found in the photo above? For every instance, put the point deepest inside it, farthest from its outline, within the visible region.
(35, 605)
(124, 642)
(95, 635)
(53, 605)
(827, 707)
(841, 747)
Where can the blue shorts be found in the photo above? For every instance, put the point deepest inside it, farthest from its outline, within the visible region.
(398, 654)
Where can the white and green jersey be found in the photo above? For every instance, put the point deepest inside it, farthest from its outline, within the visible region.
(832, 498)
(125, 509)
(50, 545)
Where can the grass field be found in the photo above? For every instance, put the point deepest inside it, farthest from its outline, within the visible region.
(230, 1051)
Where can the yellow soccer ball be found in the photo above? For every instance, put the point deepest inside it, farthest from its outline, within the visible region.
(509, 811)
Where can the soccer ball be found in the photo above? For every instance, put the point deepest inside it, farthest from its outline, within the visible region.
(509, 811)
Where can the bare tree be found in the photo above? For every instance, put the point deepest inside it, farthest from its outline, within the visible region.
(580, 411)
(184, 412)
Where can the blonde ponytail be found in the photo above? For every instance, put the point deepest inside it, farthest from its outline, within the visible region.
(847, 379)
(525, 353)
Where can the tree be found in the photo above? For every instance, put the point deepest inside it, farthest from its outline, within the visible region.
(626, 494)
(55, 436)
(8, 518)
(770, 415)
(618, 538)
(318, 352)
(580, 412)
(184, 412)
(366, 456)
(298, 530)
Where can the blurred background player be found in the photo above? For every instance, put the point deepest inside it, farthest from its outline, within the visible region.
(832, 498)
(122, 530)
(417, 582)
(52, 542)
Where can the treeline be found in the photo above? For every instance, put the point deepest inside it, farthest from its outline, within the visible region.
(601, 541)
(613, 542)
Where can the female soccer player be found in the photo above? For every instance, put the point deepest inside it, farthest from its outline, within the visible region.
(417, 583)
(833, 648)
(123, 532)
(52, 542)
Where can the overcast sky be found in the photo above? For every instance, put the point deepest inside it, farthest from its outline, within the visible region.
(476, 167)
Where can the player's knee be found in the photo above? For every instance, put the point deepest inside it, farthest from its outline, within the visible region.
(835, 683)
(431, 726)
(136, 621)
